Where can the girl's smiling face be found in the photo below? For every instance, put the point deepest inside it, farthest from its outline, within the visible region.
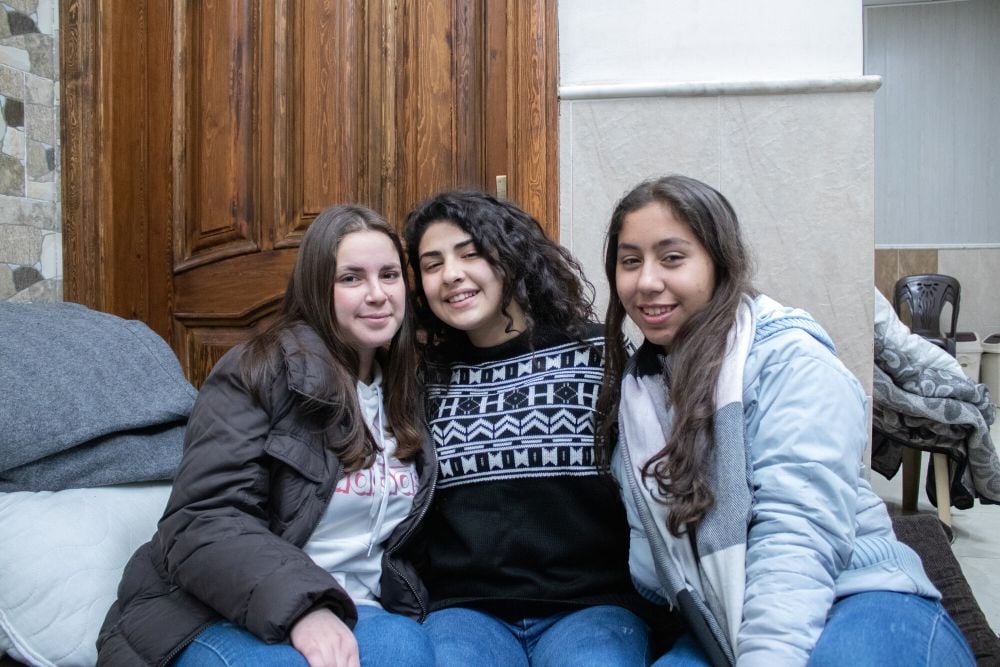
(369, 293)
(462, 288)
(663, 273)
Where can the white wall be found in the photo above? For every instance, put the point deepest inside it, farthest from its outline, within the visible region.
(763, 100)
(707, 40)
(937, 131)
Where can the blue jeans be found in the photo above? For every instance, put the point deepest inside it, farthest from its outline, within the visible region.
(384, 639)
(875, 628)
(599, 636)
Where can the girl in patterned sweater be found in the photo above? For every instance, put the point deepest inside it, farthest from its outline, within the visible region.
(526, 538)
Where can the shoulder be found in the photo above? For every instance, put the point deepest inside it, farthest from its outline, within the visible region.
(794, 359)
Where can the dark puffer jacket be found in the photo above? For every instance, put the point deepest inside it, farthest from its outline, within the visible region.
(254, 482)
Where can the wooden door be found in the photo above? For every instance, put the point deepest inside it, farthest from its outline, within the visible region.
(201, 137)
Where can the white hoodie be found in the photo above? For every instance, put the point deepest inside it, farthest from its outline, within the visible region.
(366, 506)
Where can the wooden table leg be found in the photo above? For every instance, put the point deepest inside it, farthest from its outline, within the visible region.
(911, 478)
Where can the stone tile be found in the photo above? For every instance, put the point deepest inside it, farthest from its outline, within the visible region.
(47, 15)
(912, 262)
(45, 191)
(20, 245)
(20, 24)
(51, 260)
(40, 123)
(886, 263)
(6, 282)
(11, 82)
(25, 277)
(40, 52)
(13, 112)
(13, 143)
(27, 213)
(44, 291)
(38, 90)
(23, 6)
(15, 57)
(38, 162)
(11, 176)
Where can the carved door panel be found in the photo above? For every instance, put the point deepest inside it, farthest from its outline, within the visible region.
(223, 127)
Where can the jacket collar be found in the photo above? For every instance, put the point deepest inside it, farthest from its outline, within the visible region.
(308, 363)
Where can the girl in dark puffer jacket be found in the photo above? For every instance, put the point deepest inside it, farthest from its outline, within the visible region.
(298, 483)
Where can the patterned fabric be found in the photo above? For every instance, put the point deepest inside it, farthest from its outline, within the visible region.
(528, 416)
(922, 398)
(523, 524)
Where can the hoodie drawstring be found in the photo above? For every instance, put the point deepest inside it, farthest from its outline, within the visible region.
(384, 501)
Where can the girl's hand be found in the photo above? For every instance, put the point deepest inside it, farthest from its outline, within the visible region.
(324, 640)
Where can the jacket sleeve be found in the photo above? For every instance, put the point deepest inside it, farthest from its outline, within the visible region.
(216, 541)
(807, 428)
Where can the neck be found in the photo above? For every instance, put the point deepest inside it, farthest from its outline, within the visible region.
(366, 360)
(494, 335)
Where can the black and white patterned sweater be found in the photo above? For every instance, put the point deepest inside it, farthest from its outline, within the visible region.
(522, 522)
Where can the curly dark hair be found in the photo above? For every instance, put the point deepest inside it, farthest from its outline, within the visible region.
(537, 274)
(680, 469)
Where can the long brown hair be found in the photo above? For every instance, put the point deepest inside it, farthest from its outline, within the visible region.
(681, 468)
(309, 299)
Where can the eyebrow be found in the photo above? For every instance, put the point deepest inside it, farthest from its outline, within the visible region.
(664, 243)
(360, 269)
(457, 246)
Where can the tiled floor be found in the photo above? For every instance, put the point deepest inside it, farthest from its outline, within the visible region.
(977, 540)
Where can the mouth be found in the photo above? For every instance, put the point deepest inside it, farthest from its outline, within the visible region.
(377, 317)
(459, 297)
(656, 315)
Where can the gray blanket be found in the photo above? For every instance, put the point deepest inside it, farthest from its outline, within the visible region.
(89, 399)
(923, 399)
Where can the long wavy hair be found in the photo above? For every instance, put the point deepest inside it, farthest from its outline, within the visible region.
(680, 469)
(537, 274)
(309, 300)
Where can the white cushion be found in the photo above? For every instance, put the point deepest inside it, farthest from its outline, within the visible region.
(61, 556)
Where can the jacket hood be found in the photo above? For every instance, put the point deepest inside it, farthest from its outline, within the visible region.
(772, 319)
(307, 361)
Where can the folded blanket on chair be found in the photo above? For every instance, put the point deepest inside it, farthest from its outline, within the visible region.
(90, 399)
(923, 399)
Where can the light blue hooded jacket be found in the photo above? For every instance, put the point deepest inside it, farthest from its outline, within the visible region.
(817, 531)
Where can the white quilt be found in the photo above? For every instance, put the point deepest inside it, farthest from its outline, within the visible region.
(61, 556)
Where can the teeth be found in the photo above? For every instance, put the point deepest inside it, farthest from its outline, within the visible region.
(653, 311)
(461, 297)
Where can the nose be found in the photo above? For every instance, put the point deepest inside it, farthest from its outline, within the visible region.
(650, 280)
(452, 272)
(375, 294)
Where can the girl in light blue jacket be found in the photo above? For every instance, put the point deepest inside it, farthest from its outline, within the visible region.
(740, 440)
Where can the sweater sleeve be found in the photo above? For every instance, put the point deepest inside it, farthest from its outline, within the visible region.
(807, 434)
(215, 533)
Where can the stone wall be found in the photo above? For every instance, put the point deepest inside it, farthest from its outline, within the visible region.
(30, 217)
